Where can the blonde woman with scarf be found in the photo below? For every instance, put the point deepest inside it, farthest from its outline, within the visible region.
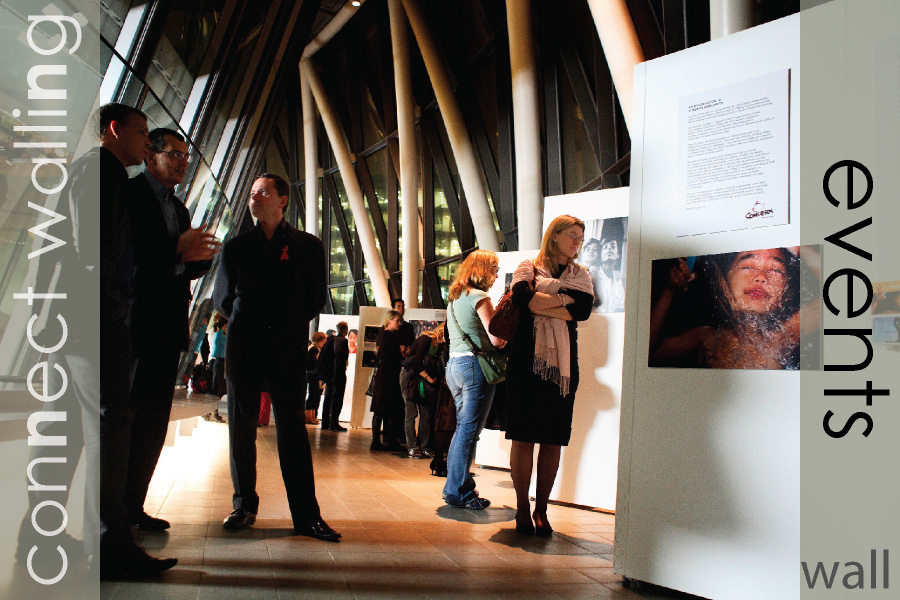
(553, 292)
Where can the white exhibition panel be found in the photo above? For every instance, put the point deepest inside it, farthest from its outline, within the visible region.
(327, 322)
(708, 490)
(373, 316)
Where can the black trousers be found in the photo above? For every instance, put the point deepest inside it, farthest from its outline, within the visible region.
(79, 403)
(334, 401)
(315, 393)
(294, 452)
(151, 396)
(116, 416)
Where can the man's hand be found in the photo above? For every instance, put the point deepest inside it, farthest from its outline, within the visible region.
(196, 245)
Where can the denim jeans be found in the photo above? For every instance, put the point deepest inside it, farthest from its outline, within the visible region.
(472, 396)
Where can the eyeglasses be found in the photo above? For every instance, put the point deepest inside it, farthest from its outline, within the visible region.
(575, 236)
(177, 155)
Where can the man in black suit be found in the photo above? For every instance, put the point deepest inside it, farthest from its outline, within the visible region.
(168, 254)
(335, 368)
(270, 284)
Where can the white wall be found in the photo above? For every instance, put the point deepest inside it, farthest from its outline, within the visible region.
(708, 498)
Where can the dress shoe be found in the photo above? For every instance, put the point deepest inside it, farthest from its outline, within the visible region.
(318, 529)
(145, 522)
(133, 562)
(325, 427)
(378, 447)
(239, 519)
(338, 428)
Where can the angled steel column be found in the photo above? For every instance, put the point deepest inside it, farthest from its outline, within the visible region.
(351, 183)
(526, 123)
(310, 153)
(730, 16)
(620, 45)
(409, 160)
(460, 142)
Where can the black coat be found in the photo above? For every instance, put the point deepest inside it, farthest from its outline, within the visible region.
(159, 320)
(269, 290)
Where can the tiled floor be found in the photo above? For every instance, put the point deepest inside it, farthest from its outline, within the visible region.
(399, 540)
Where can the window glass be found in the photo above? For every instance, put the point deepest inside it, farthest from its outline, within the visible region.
(446, 243)
(342, 299)
(445, 274)
(580, 166)
(339, 266)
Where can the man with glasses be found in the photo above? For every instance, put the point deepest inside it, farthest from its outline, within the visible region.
(270, 284)
(168, 254)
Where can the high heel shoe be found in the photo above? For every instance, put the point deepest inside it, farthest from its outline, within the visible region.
(541, 526)
(526, 528)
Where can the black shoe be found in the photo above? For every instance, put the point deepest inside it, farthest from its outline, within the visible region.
(378, 447)
(134, 563)
(338, 428)
(325, 427)
(145, 522)
(239, 519)
(74, 548)
(523, 527)
(541, 525)
(318, 529)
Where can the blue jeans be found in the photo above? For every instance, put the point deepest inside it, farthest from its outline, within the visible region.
(472, 396)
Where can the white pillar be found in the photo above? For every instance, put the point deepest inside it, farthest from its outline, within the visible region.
(460, 143)
(409, 160)
(729, 16)
(351, 183)
(310, 153)
(620, 45)
(526, 123)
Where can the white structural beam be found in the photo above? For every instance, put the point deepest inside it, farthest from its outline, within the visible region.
(460, 142)
(730, 16)
(310, 153)
(409, 160)
(526, 123)
(351, 183)
(621, 47)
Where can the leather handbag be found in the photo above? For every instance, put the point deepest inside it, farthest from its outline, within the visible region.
(505, 320)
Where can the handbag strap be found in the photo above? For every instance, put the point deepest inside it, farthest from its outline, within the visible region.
(475, 349)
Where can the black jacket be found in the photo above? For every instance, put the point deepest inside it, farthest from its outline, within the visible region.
(269, 290)
(159, 319)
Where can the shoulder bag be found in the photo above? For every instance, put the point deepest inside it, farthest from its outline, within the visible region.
(493, 364)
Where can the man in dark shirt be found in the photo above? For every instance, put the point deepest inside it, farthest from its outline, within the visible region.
(270, 284)
(406, 335)
(337, 383)
(168, 254)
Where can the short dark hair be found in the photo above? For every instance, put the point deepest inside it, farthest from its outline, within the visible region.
(400, 300)
(108, 113)
(282, 188)
(342, 328)
(158, 138)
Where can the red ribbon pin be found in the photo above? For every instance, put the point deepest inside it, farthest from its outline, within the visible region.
(284, 254)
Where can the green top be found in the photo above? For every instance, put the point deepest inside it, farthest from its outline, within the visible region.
(463, 308)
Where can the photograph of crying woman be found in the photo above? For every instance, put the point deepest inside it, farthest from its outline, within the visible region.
(754, 309)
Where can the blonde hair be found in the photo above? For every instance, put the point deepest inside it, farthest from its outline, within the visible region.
(436, 335)
(391, 315)
(476, 271)
(549, 256)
